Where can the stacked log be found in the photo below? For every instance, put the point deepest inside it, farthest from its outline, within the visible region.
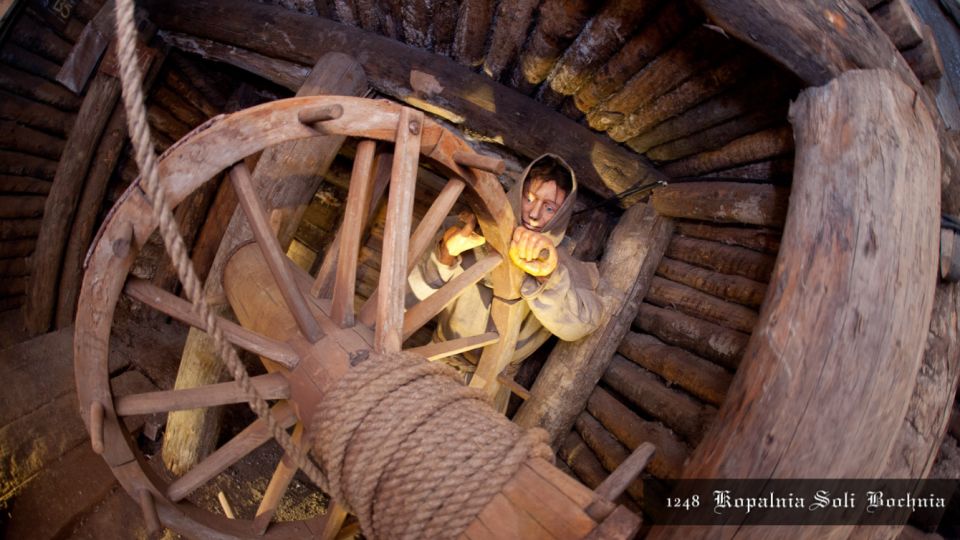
(558, 23)
(759, 146)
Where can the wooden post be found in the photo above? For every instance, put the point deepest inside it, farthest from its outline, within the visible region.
(633, 253)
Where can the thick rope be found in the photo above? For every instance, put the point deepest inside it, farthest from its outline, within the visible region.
(412, 452)
(133, 101)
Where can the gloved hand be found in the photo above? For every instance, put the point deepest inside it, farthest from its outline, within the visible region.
(459, 238)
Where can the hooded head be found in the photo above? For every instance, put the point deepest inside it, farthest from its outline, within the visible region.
(543, 199)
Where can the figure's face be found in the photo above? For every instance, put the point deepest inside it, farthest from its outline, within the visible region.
(541, 200)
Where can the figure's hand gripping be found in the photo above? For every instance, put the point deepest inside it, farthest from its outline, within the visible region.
(459, 238)
(533, 252)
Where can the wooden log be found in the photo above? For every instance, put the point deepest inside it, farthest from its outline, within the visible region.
(14, 267)
(16, 164)
(589, 234)
(606, 170)
(729, 287)
(697, 89)
(445, 16)
(39, 89)
(34, 64)
(735, 102)
(652, 39)
(179, 84)
(870, 4)
(415, 22)
(19, 138)
(711, 341)
(925, 59)
(578, 456)
(558, 23)
(869, 373)
(694, 52)
(20, 247)
(13, 286)
(33, 35)
(600, 38)
(607, 449)
(181, 109)
(473, 24)
(208, 239)
(163, 121)
(700, 377)
(200, 79)
(19, 228)
(670, 294)
(769, 143)
(573, 368)
(683, 414)
(722, 258)
(11, 302)
(633, 431)
(721, 134)
(730, 202)
(509, 33)
(766, 240)
(23, 184)
(778, 170)
(21, 206)
(35, 114)
(900, 22)
(62, 201)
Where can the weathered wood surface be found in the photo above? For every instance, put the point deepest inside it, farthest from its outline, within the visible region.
(720, 134)
(900, 22)
(834, 278)
(39, 89)
(608, 450)
(711, 341)
(19, 228)
(525, 127)
(473, 22)
(509, 32)
(62, 201)
(14, 267)
(778, 170)
(16, 56)
(700, 377)
(722, 258)
(729, 287)
(558, 24)
(20, 247)
(666, 293)
(20, 138)
(34, 35)
(21, 206)
(35, 114)
(731, 202)
(766, 240)
(925, 59)
(15, 164)
(769, 143)
(571, 372)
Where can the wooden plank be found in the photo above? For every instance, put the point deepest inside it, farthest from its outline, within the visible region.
(396, 235)
(443, 349)
(573, 368)
(422, 312)
(617, 482)
(609, 451)
(358, 199)
(279, 482)
(608, 169)
(714, 342)
(270, 386)
(729, 287)
(548, 507)
(666, 293)
(83, 58)
(722, 258)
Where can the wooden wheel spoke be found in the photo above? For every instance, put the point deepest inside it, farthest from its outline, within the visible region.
(271, 386)
(422, 237)
(443, 349)
(361, 188)
(279, 482)
(388, 335)
(323, 284)
(272, 253)
(427, 309)
(182, 311)
(245, 442)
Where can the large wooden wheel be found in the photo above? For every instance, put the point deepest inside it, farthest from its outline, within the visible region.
(329, 331)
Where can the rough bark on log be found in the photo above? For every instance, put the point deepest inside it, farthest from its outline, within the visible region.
(38, 89)
(19, 138)
(678, 411)
(602, 36)
(721, 134)
(573, 368)
(766, 240)
(697, 376)
(16, 164)
(558, 23)
(581, 460)
(729, 202)
(711, 341)
(445, 15)
(179, 84)
(665, 27)
(35, 114)
(666, 293)
(856, 278)
(32, 35)
(925, 59)
(62, 201)
(19, 228)
(737, 101)
(700, 87)
(415, 21)
(900, 22)
(776, 170)
(695, 51)
(734, 288)
(34, 64)
(14, 267)
(181, 109)
(633, 431)
(758, 146)
(473, 23)
(526, 128)
(608, 450)
(722, 258)
(509, 33)
(21, 206)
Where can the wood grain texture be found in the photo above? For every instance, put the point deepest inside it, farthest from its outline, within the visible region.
(666, 293)
(729, 287)
(759, 146)
(509, 32)
(558, 24)
(721, 345)
(765, 240)
(722, 258)
(727, 202)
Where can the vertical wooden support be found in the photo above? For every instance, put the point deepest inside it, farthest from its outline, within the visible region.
(388, 336)
(507, 316)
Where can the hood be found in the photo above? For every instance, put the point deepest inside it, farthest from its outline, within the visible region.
(556, 228)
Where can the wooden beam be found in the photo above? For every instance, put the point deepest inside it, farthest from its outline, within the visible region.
(730, 202)
(573, 368)
(900, 22)
(759, 146)
(559, 22)
(721, 134)
(463, 97)
(473, 24)
(509, 32)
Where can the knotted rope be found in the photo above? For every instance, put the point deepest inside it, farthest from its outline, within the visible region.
(414, 453)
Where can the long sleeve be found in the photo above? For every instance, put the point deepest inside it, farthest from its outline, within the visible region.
(430, 274)
(567, 303)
